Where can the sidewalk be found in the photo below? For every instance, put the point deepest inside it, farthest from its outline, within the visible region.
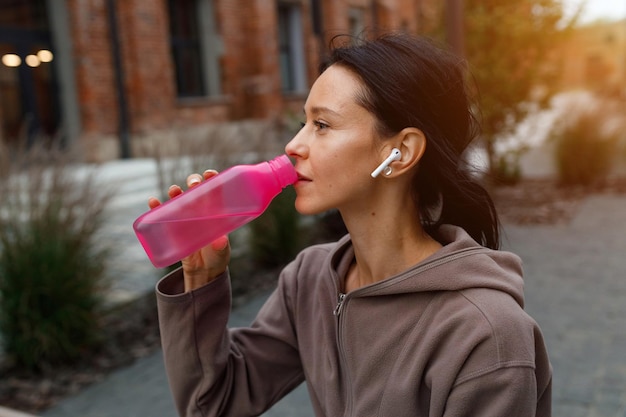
(575, 289)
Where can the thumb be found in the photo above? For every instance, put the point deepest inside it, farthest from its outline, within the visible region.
(220, 244)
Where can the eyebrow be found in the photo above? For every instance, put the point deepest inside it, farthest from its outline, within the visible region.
(321, 109)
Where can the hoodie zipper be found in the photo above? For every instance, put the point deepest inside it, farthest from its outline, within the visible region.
(340, 299)
(342, 356)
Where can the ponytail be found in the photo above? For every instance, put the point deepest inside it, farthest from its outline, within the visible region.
(459, 200)
(446, 191)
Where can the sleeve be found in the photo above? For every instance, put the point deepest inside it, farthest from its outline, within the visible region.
(518, 385)
(497, 360)
(506, 391)
(217, 371)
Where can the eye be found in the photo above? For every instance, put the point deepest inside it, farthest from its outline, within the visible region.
(320, 125)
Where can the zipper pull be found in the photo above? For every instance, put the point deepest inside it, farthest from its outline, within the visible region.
(337, 309)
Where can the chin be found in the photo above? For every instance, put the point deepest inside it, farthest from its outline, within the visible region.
(308, 209)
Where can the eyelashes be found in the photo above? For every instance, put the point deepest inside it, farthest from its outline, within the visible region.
(319, 125)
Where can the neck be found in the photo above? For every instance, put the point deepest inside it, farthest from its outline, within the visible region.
(386, 243)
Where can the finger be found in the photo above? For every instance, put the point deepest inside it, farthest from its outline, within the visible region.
(153, 202)
(220, 243)
(209, 173)
(174, 191)
(193, 180)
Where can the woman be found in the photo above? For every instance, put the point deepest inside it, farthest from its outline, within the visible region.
(413, 313)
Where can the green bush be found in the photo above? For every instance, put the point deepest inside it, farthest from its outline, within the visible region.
(275, 235)
(325, 227)
(51, 267)
(584, 150)
(507, 170)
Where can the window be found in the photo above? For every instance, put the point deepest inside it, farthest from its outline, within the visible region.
(195, 47)
(291, 50)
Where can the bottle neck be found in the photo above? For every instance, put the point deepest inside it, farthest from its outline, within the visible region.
(284, 170)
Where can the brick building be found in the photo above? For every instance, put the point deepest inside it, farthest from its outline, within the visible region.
(109, 75)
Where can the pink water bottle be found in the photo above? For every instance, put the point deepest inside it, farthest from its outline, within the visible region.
(197, 217)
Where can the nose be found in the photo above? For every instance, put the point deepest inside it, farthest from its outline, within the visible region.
(297, 147)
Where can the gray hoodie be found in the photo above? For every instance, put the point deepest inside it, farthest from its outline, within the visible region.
(447, 337)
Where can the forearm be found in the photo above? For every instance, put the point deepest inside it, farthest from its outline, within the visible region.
(192, 338)
(215, 371)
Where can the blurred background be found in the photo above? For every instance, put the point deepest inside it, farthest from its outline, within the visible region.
(116, 79)
(106, 102)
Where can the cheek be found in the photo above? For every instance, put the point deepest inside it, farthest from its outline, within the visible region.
(350, 181)
(335, 162)
(326, 168)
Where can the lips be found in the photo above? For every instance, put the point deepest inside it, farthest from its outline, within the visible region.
(303, 177)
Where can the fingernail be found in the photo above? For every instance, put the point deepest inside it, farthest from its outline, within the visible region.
(220, 243)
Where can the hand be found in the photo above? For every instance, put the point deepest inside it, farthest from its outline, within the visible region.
(203, 266)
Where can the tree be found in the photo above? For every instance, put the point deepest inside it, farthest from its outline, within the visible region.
(508, 45)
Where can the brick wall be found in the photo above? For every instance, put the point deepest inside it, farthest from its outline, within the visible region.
(93, 67)
(250, 73)
(147, 68)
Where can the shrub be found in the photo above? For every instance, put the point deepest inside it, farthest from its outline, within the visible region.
(51, 267)
(507, 170)
(584, 154)
(325, 227)
(275, 235)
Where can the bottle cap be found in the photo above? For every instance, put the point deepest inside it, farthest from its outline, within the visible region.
(284, 170)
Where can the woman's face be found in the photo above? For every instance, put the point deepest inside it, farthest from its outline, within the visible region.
(335, 150)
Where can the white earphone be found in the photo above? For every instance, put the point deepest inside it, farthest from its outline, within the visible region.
(394, 156)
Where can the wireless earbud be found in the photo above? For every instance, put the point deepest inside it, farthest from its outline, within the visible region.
(394, 156)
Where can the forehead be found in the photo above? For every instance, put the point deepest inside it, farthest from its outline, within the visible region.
(336, 89)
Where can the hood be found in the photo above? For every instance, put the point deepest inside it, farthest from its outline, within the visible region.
(460, 264)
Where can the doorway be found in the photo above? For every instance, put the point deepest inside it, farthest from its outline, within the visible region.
(29, 111)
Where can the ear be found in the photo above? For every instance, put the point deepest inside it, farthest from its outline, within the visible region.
(412, 144)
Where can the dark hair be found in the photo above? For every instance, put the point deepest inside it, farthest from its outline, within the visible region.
(411, 82)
